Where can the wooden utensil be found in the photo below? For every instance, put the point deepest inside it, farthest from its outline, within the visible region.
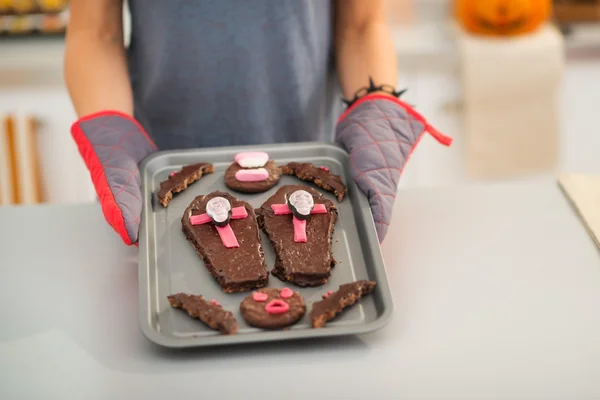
(13, 158)
(34, 160)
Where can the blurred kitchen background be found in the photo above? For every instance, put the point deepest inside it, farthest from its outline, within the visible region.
(517, 105)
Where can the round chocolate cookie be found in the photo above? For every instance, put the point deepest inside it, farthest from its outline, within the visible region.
(258, 186)
(271, 308)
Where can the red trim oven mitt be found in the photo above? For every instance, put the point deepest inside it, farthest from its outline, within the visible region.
(380, 133)
(112, 145)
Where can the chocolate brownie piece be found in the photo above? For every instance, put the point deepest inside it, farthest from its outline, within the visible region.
(302, 263)
(320, 176)
(272, 308)
(333, 303)
(236, 269)
(209, 312)
(252, 187)
(180, 180)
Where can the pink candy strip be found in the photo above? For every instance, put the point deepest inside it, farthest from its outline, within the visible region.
(252, 175)
(200, 219)
(227, 236)
(281, 209)
(259, 296)
(319, 209)
(286, 293)
(299, 230)
(277, 307)
(236, 213)
(239, 212)
(299, 225)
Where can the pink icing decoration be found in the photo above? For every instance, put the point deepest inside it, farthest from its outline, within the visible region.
(299, 230)
(225, 232)
(214, 302)
(251, 159)
(239, 212)
(252, 175)
(286, 293)
(324, 168)
(236, 213)
(173, 173)
(277, 307)
(200, 219)
(260, 296)
(227, 236)
(299, 225)
(281, 209)
(319, 209)
(329, 293)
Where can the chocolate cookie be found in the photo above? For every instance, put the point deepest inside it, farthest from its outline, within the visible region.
(299, 222)
(268, 179)
(334, 302)
(252, 172)
(209, 312)
(180, 180)
(224, 232)
(320, 176)
(272, 308)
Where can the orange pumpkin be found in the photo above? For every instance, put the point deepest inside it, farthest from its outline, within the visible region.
(502, 17)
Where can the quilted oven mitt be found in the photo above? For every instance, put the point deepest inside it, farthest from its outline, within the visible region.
(112, 144)
(380, 133)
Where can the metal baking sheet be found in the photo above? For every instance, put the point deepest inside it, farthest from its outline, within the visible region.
(168, 264)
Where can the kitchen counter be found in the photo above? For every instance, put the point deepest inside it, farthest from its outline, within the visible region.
(496, 290)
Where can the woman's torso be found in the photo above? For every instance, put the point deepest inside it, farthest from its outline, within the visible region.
(233, 72)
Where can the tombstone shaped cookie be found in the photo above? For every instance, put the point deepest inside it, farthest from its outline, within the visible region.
(252, 172)
(299, 222)
(272, 308)
(224, 232)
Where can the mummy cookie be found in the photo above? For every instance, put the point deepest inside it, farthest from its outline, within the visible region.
(252, 172)
(272, 308)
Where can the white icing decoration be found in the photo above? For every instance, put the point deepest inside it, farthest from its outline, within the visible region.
(302, 201)
(218, 209)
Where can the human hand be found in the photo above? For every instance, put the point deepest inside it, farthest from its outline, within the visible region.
(380, 133)
(112, 144)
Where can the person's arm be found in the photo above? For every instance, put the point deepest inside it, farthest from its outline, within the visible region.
(111, 142)
(363, 45)
(95, 67)
(379, 130)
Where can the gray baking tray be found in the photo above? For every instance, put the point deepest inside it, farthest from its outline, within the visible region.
(168, 264)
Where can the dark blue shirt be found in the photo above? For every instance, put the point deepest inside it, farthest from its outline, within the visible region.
(233, 72)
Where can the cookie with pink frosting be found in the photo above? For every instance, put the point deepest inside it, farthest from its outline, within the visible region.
(252, 172)
(272, 308)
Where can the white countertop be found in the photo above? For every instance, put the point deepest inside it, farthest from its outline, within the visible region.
(496, 290)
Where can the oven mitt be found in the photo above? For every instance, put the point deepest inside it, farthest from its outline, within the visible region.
(380, 132)
(112, 144)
